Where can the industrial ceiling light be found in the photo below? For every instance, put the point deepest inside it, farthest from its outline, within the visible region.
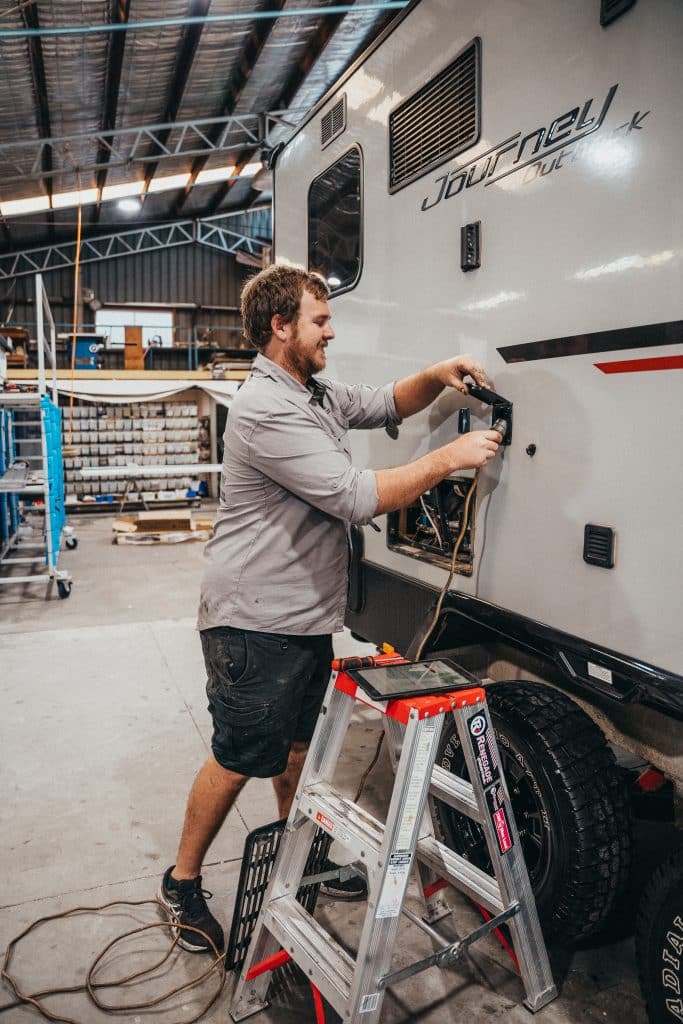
(129, 205)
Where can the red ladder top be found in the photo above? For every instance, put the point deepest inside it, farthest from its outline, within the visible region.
(426, 707)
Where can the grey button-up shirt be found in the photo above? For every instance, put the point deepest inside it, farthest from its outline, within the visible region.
(278, 560)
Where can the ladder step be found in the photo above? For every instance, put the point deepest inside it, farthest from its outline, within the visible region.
(359, 832)
(316, 952)
(459, 872)
(455, 792)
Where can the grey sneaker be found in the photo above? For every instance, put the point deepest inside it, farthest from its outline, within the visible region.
(186, 905)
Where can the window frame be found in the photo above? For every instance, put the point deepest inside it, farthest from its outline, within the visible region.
(361, 248)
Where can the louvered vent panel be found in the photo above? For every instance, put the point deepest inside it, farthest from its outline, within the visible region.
(333, 122)
(598, 545)
(610, 10)
(437, 122)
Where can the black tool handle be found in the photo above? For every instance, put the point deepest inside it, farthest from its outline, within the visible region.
(485, 395)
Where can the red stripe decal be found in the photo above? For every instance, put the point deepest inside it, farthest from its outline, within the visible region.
(642, 365)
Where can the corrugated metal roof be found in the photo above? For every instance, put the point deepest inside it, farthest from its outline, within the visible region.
(66, 86)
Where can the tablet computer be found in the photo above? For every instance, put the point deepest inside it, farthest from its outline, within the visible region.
(416, 679)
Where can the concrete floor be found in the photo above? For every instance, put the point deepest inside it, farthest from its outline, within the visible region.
(103, 726)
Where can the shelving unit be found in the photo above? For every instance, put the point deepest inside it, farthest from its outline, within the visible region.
(104, 439)
(31, 470)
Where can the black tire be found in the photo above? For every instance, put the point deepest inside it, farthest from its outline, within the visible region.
(570, 802)
(72, 542)
(63, 589)
(659, 942)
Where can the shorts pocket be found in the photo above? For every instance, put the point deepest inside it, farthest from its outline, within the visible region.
(226, 655)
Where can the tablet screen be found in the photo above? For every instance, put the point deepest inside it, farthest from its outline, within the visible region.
(414, 680)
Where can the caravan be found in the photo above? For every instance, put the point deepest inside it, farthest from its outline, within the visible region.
(503, 179)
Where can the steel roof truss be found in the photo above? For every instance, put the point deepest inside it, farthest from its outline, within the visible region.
(125, 145)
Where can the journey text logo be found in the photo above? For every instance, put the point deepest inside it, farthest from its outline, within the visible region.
(516, 153)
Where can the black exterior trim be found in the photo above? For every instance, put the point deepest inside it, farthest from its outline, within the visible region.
(647, 336)
(399, 611)
(610, 10)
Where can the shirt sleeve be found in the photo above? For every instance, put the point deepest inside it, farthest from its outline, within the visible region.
(289, 449)
(366, 407)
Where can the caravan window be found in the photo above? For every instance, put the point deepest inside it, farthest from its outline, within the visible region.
(335, 222)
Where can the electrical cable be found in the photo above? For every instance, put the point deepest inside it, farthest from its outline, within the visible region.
(456, 548)
(433, 524)
(444, 590)
(90, 985)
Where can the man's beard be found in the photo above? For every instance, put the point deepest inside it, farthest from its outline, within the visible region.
(303, 363)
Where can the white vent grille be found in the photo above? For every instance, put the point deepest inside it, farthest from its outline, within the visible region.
(437, 122)
(333, 122)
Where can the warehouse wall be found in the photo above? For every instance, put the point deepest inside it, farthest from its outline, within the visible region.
(187, 273)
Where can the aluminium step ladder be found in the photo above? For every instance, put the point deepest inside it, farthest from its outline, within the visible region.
(356, 987)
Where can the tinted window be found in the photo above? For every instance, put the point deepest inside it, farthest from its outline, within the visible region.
(335, 221)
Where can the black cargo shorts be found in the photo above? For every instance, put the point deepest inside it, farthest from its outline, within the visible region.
(265, 691)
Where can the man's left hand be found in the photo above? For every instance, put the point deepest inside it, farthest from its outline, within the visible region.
(451, 372)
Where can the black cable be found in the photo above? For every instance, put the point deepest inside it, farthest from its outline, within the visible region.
(218, 964)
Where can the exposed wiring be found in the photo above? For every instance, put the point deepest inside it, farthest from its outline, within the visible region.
(433, 524)
(456, 548)
(90, 986)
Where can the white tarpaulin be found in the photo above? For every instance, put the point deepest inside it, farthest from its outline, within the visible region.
(125, 391)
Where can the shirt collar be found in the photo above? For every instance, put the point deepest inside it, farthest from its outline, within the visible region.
(314, 391)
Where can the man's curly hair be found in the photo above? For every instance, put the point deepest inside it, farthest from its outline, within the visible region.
(277, 289)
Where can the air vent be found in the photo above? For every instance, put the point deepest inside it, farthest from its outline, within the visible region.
(610, 10)
(440, 120)
(598, 545)
(333, 123)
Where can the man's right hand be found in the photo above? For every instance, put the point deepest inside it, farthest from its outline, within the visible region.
(474, 449)
(397, 487)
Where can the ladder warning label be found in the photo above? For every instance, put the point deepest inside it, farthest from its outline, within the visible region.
(495, 798)
(332, 827)
(369, 1003)
(394, 887)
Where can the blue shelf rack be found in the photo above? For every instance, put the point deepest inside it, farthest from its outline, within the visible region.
(32, 473)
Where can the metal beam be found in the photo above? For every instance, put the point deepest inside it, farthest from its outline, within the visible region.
(326, 29)
(29, 16)
(117, 43)
(227, 232)
(211, 19)
(126, 147)
(243, 68)
(183, 65)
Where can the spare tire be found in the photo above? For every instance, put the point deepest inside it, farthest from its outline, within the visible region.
(659, 942)
(570, 803)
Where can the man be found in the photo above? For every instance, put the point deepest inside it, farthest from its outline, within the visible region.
(275, 586)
